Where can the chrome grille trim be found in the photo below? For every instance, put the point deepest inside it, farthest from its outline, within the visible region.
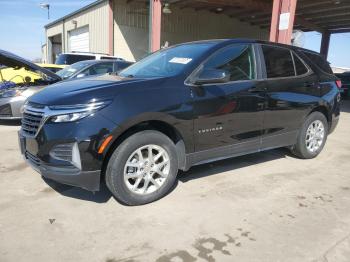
(31, 122)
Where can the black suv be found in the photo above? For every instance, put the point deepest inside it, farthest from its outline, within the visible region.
(182, 106)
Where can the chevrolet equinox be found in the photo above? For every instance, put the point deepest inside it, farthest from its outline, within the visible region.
(182, 106)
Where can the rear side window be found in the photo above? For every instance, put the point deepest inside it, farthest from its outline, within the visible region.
(300, 67)
(238, 60)
(278, 61)
(68, 59)
(319, 61)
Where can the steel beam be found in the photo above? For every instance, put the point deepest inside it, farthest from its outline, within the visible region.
(282, 21)
(326, 37)
(155, 23)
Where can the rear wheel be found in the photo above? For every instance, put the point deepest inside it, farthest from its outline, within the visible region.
(143, 168)
(312, 136)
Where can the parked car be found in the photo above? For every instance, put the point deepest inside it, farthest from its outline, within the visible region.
(179, 107)
(345, 79)
(14, 94)
(92, 67)
(30, 78)
(73, 57)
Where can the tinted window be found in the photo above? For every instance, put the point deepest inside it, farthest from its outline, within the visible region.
(319, 61)
(72, 69)
(68, 59)
(168, 62)
(238, 60)
(279, 62)
(122, 65)
(99, 69)
(300, 67)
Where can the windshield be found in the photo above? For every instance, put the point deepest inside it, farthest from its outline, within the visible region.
(167, 62)
(72, 69)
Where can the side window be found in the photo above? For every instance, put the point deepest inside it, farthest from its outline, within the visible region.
(300, 67)
(99, 69)
(319, 61)
(238, 60)
(278, 61)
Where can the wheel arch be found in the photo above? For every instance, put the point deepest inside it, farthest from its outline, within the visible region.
(157, 125)
(325, 111)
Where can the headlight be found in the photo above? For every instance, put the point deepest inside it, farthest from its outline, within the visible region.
(11, 93)
(71, 113)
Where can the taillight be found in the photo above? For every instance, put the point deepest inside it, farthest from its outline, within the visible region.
(338, 83)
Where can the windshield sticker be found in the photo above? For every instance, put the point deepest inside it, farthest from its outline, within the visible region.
(180, 60)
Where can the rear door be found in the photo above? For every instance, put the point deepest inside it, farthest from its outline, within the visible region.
(229, 116)
(292, 89)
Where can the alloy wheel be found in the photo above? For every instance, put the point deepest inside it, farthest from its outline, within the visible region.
(146, 169)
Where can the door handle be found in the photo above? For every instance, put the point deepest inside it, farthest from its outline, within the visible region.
(311, 84)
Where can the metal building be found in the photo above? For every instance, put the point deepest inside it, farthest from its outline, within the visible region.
(131, 28)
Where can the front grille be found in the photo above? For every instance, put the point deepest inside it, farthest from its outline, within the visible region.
(5, 110)
(32, 159)
(31, 122)
(62, 152)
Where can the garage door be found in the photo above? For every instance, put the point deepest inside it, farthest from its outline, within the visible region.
(79, 39)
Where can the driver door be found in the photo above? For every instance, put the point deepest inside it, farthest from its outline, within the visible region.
(229, 116)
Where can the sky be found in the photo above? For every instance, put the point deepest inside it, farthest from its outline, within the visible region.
(22, 29)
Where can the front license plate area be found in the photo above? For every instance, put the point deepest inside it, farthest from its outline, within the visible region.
(31, 146)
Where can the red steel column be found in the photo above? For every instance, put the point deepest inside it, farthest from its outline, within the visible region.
(110, 28)
(155, 24)
(282, 21)
(326, 37)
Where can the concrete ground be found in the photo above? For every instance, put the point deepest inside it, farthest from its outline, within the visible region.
(262, 207)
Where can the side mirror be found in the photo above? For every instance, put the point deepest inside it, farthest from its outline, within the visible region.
(212, 76)
(81, 75)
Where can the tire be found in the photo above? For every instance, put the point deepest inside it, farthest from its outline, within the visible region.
(130, 169)
(303, 149)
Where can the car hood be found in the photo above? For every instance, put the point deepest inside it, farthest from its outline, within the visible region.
(11, 60)
(89, 89)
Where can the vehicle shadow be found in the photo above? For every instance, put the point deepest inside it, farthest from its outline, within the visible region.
(101, 196)
(345, 106)
(232, 164)
(195, 172)
(10, 122)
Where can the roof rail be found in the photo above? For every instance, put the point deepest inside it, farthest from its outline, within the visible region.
(90, 53)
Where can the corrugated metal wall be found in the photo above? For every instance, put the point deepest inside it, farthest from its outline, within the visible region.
(96, 18)
(131, 28)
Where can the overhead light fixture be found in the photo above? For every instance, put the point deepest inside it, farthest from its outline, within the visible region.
(219, 9)
(166, 9)
(337, 2)
(46, 6)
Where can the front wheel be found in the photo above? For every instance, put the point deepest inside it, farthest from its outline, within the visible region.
(143, 168)
(312, 136)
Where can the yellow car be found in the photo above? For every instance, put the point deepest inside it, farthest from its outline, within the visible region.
(21, 75)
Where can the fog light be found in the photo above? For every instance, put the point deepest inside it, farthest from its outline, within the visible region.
(67, 152)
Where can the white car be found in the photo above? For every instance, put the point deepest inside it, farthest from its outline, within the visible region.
(73, 57)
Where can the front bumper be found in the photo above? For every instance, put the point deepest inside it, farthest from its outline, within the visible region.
(64, 173)
(86, 135)
(10, 108)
